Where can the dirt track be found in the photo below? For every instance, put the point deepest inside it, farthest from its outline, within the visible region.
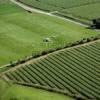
(28, 8)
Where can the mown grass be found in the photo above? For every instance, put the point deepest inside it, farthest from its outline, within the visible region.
(22, 33)
(17, 92)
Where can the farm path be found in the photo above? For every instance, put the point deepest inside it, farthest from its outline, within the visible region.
(28, 8)
(41, 57)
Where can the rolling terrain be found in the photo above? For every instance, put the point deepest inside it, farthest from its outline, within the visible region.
(22, 33)
(48, 50)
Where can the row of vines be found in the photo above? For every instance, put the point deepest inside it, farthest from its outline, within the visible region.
(75, 72)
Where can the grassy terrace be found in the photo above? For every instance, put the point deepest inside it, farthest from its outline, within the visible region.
(17, 92)
(22, 33)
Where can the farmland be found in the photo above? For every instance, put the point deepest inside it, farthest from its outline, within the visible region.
(84, 10)
(48, 50)
(58, 5)
(75, 71)
(20, 31)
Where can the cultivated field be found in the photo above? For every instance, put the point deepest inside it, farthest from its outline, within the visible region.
(59, 56)
(58, 5)
(73, 71)
(84, 10)
(87, 12)
(22, 33)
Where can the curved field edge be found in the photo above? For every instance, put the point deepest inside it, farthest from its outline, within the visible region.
(10, 91)
(70, 9)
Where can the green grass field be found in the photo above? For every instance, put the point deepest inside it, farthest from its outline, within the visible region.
(88, 12)
(22, 33)
(17, 92)
(58, 5)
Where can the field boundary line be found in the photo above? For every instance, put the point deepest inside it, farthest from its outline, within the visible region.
(44, 56)
(32, 9)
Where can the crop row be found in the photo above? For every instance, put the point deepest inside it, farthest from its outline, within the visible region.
(57, 5)
(76, 71)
